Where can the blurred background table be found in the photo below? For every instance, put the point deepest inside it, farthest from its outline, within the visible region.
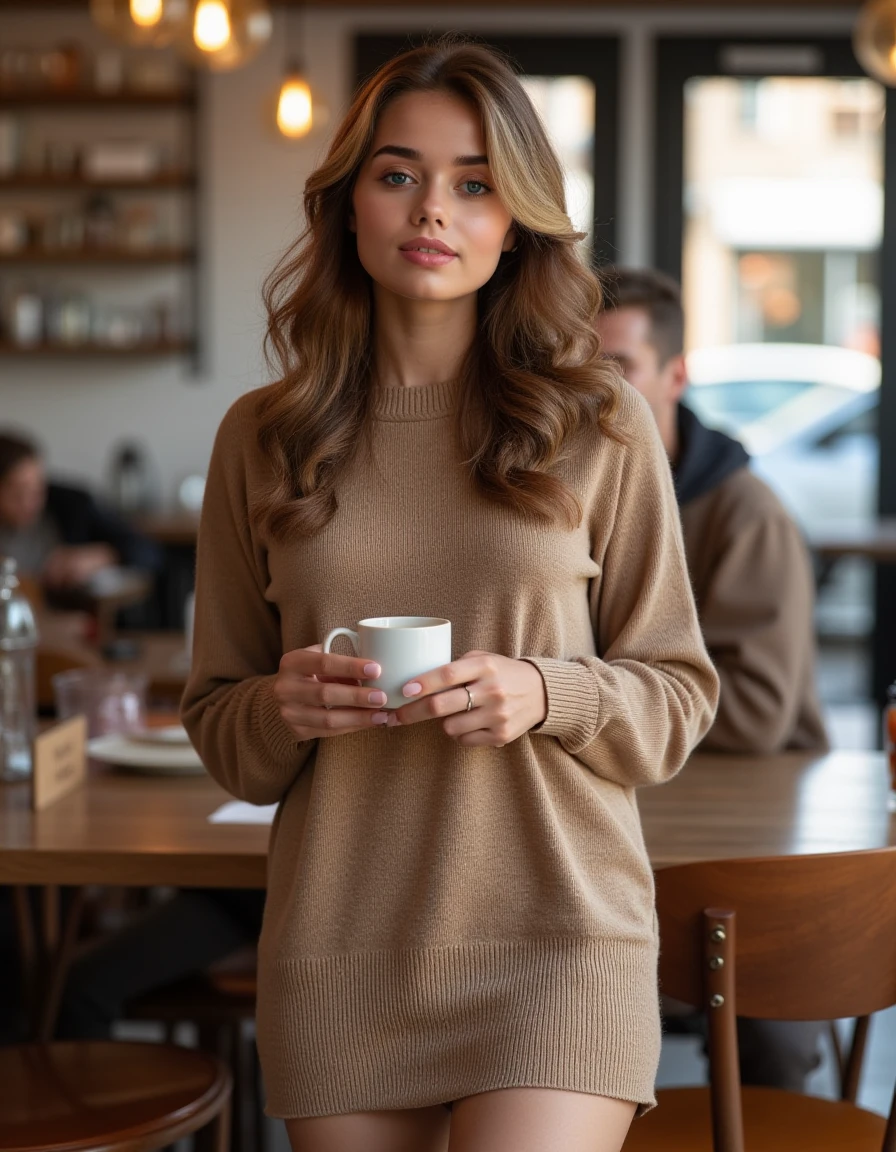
(875, 541)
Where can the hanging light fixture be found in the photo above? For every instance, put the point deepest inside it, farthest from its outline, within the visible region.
(224, 34)
(295, 108)
(151, 23)
(298, 109)
(874, 40)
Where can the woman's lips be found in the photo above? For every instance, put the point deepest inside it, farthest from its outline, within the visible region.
(427, 257)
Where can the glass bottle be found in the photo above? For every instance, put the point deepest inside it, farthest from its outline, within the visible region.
(18, 643)
(890, 742)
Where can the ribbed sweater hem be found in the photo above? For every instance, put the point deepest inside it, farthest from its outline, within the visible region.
(384, 1030)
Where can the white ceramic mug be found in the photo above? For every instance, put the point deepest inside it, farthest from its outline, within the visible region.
(403, 646)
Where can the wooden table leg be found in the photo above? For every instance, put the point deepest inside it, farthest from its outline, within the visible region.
(28, 957)
(59, 957)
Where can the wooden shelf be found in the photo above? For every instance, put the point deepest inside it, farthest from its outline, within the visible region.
(38, 181)
(156, 348)
(73, 99)
(83, 256)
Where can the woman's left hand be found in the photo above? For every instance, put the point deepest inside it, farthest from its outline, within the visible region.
(508, 698)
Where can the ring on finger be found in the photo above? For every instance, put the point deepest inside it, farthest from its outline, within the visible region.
(469, 697)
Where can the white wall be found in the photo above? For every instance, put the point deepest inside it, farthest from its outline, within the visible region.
(251, 194)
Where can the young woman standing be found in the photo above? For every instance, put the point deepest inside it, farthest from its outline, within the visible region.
(460, 906)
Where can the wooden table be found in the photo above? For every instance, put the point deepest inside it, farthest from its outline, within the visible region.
(162, 656)
(875, 541)
(141, 830)
(178, 529)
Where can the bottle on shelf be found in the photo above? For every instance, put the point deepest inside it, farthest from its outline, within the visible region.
(18, 644)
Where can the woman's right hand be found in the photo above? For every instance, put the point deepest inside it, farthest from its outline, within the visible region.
(320, 693)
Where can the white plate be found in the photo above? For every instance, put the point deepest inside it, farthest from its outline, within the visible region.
(169, 734)
(161, 759)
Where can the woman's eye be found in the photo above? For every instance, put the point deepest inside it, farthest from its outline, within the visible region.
(475, 187)
(397, 179)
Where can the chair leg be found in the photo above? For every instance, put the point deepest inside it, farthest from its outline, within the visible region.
(215, 1039)
(849, 1089)
(258, 1099)
(222, 1130)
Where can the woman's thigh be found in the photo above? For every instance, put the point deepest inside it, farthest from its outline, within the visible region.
(405, 1130)
(539, 1120)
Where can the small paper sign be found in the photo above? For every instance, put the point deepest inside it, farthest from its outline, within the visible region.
(60, 761)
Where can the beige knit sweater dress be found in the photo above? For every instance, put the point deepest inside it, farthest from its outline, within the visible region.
(443, 920)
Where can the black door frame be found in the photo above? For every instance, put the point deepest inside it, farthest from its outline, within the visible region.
(678, 59)
(595, 57)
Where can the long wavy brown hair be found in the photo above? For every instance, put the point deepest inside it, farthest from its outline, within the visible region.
(533, 375)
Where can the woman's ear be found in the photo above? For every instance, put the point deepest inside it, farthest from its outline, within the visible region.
(352, 222)
(511, 241)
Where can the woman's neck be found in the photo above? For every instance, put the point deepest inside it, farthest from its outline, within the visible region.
(419, 342)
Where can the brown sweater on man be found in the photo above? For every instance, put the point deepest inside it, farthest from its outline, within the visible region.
(443, 920)
(753, 584)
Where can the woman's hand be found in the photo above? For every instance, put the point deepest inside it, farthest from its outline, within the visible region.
(508, 696)
(320, 693)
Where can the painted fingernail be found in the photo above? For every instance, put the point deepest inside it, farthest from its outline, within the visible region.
(379, 718)
(412, 689)
(371, 671)
(376, 698)
(392, 720)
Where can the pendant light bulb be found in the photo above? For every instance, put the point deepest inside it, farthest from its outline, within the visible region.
(146, 13)
(294, 107)
(874, 40)
(211, 25)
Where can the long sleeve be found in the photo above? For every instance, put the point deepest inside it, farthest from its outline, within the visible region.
(228, 707)
(756, 628)
(633, 712)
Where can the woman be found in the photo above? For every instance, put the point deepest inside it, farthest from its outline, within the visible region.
(460, 907)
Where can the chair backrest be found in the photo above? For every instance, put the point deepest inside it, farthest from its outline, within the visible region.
(779, 938)
(816, 935)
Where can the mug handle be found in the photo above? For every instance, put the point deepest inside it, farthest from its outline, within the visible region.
(353, 636)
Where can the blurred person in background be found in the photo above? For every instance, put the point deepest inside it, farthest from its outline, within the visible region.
(749, 566)
(60, 536)
(754, 589)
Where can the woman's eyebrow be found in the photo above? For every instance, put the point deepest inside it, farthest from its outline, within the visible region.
(413, 154)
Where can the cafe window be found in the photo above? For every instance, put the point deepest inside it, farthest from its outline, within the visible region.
(770, 208)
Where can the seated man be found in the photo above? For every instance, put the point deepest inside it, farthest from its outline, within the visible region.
(752, 582)
(749, 568)
(60, 536)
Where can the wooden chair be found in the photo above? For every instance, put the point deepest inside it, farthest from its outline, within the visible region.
(781, 938)
(219, 1003)
(109, 1097)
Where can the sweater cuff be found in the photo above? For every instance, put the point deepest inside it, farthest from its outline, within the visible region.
(573, 702)
(279, 740)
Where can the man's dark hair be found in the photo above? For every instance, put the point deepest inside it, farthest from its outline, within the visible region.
(13, 450)
(660, 298)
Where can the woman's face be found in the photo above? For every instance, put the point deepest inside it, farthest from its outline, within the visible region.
(23, 493)
(429, 224)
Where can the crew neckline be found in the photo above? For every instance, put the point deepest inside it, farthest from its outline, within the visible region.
(417, 402)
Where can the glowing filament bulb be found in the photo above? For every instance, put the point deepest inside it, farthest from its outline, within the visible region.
(211, 26)
(294, 114)
(146, 13)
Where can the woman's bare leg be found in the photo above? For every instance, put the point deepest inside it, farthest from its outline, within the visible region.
(405, 1130)
(539, 1120)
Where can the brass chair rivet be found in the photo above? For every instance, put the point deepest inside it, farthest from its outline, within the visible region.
(716, 1001)
(716, 962)
(718, 934)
